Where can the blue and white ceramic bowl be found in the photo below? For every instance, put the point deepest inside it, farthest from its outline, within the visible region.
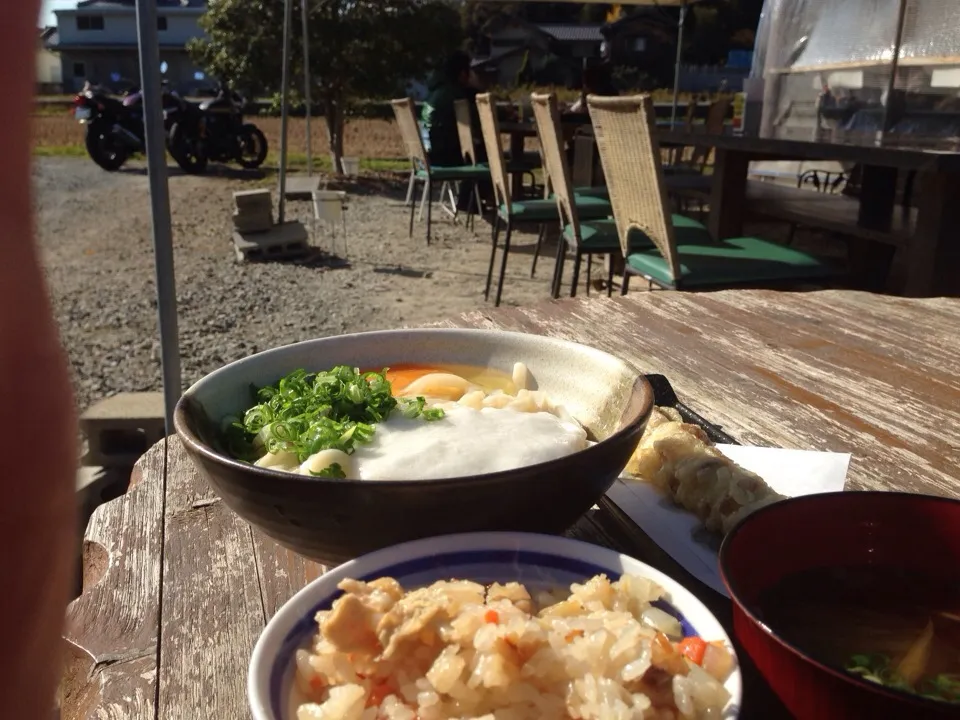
(538, 561)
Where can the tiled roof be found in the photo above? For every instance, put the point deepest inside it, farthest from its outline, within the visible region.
(51, 39)
(573, 33)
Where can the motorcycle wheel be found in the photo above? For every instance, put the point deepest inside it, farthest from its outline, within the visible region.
(253, 147)
(103, 149)
(186, 151)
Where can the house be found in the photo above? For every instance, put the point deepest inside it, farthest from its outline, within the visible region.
(517, 52)
(645, 40)
(49, 74)
(97, 41)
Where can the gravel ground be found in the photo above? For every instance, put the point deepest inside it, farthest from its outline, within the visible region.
(94, 230)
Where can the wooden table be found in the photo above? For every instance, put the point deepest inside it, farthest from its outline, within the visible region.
(177, 588)
(934, 249)
(520, 130)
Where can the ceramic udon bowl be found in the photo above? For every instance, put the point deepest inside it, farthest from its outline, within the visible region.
(540, 562)
(332, 520)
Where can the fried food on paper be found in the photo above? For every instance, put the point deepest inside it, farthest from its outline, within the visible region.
(681, 461)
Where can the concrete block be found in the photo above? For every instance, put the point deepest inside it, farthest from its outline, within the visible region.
(253, 222)
(301, 187)
(252, 199)
(280, 242)
(121, 428)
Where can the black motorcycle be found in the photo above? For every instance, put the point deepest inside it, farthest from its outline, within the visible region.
(115, 128)
(214, 130)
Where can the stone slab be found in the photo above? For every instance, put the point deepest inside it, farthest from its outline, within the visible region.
(121, 428)
(244, 199)
(128, 405)
(253, 222)
(301, 187)
(278, 243)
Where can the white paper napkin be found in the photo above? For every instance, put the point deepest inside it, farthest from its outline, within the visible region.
(680, 533)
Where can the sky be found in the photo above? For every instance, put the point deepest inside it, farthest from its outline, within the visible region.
(46, 13)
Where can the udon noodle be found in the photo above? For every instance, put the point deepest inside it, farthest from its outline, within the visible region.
(483, 421)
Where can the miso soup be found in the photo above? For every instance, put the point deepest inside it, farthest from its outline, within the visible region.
(887, 625)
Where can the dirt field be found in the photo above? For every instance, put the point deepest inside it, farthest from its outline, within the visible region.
(365, 138)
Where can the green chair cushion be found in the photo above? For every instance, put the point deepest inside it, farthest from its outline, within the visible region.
(588, 208)
(737, 261)
(531, 211)
(458, 172)
(601, 235)
(597, 192)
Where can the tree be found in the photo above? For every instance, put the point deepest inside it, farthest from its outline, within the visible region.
(359, 49)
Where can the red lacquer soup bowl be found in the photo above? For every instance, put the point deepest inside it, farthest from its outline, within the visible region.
(875, 530)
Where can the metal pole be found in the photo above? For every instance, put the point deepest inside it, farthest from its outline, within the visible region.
(306, 79)
(894, 66)
(285, 101)
(676, 70)
(159, 204)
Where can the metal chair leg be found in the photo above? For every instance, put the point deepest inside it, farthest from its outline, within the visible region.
(576, 273)
(423, 199)
(446, 192)
(626, 282)
(610, 277)
(503, 262)
(493, 254)
(411, 188)
(536, 250)
(413, 210)
(429, 206)
(478, 206)
(589, 269)
(558, 269)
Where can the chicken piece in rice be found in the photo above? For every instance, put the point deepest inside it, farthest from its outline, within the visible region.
(458, 650)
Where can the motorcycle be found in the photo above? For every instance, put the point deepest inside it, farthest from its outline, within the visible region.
(115, 129)
(214, 130)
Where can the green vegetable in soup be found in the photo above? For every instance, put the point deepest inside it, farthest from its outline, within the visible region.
(879, 668)
(305, 413)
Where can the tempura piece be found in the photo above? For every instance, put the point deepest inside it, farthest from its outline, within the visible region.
(680, 460)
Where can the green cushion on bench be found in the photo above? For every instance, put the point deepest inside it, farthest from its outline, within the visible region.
(600, 235)
(736, 261)
(458, 172)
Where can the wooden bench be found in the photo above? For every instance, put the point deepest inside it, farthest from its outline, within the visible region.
(823, 211)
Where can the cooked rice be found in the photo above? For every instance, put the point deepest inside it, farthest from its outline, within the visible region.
(456, 649)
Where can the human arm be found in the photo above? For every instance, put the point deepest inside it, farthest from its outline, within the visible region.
(38, 514)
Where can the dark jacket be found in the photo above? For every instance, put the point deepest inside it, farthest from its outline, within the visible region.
(439, 119)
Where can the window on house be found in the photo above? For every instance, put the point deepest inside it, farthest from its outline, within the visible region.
(90, 22)
(161, 23)
(79, 70)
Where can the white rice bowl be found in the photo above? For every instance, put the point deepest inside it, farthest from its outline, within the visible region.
(586, 675)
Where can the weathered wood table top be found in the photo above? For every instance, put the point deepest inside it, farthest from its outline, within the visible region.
(177, 588)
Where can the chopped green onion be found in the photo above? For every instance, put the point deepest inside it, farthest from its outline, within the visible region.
(331, 471)
(305, 413)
